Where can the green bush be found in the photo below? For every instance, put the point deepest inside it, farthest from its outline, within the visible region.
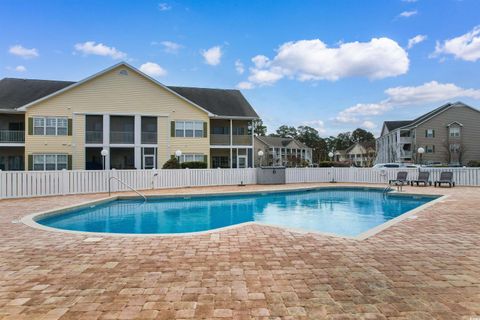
(172, 163)
(327, 164)
(194, 165)
(473, 163)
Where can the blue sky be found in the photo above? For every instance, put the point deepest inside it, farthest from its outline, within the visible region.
(333, 65)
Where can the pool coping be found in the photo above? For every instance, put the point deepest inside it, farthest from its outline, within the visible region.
(30, 220)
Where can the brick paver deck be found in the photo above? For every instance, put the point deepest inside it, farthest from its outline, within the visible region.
(422, 268)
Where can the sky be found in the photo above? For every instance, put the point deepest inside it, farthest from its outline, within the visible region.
(334, 65)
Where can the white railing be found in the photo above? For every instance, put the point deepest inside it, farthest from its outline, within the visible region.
(12, 136)
(20, 184)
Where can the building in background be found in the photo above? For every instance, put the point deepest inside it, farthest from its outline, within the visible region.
(449, 135)
(282, 152)
(54, 125)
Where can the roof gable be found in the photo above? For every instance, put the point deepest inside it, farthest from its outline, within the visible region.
(124, 64)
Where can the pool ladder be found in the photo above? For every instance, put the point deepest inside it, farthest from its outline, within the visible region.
(126, 185)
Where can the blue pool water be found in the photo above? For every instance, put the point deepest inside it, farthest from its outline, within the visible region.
(342, 211)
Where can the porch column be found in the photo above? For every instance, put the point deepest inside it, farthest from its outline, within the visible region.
(231, 132)
(231, 155)
(106, 139)
(137, 140)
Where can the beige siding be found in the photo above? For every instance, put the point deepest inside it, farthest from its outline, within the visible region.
(114, 93)
(470, 134)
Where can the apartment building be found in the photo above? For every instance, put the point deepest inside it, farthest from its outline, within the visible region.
(141, 123)
(360, 154)
(282, 151)
(448, 135)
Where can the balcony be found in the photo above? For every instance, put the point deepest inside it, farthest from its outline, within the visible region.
(220, 139)
(242, 140)
(121, 137)
(94, 137)
(149, 138)
(12, 136)
(405, 140)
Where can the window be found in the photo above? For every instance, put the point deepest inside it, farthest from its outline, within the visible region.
(50, 161)
(220, 162)
(454, 132)
(189, 157)
(189, 129)
(179, 129)
(454, 148)
(429, 133)
(239, 131)
(39, 126)
(430, 149)
(50, 126)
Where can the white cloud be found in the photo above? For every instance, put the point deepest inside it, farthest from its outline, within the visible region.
(318, 125)
(404, 96)
(171, 47)
(465, 47)
(153, 69)
(164, 6)
(429, 92)
(408, 14)
(20, 69)
(213, 55)
(99, 49)
(239, 67)
(369, 124)
(245, 85)
(416, 40)
(312, 60)
(23, 52)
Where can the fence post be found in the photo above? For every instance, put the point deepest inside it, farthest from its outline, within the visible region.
(64, 181)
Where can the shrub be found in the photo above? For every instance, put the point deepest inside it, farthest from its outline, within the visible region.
(172, 163)
(194, 165)
(473, 163)
(327, 164)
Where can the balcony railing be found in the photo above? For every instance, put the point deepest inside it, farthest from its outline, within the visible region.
(404, 140)
(149, 137)
(220, 139)
(12, 136)
(94, 137)
(122, 137)
(242, 140)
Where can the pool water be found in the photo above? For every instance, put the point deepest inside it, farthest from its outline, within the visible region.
(341, 211)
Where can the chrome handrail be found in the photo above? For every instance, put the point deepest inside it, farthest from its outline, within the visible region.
(125, 184)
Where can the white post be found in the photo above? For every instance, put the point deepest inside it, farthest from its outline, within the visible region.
(137, 141)
(106, 139)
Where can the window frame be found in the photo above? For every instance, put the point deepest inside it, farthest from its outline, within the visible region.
(427, 135)
(44, 126)
(193, 156)
(196, 129)
(58, 165)
(454, 134)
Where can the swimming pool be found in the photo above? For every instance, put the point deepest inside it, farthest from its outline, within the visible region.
(341, 211)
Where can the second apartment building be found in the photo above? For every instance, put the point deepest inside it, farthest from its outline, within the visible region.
(54, 125)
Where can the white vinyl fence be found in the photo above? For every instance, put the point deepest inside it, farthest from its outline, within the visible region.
(19, 184)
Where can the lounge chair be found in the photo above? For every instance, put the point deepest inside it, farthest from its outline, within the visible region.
(401, 179)
(423, 177)
(445, 177)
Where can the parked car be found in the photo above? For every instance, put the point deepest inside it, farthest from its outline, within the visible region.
(395, 165)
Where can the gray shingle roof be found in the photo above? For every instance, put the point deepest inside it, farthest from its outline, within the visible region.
(15, 93)
(279, 141)
(392, 125)
(221, 102)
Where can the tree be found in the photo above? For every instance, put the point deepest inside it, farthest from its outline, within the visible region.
(285, 131)
(361, 135)
(308, 136)
(343, 141)
(260, 128)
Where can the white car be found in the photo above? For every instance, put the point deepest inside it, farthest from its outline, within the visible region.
(395, 165)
